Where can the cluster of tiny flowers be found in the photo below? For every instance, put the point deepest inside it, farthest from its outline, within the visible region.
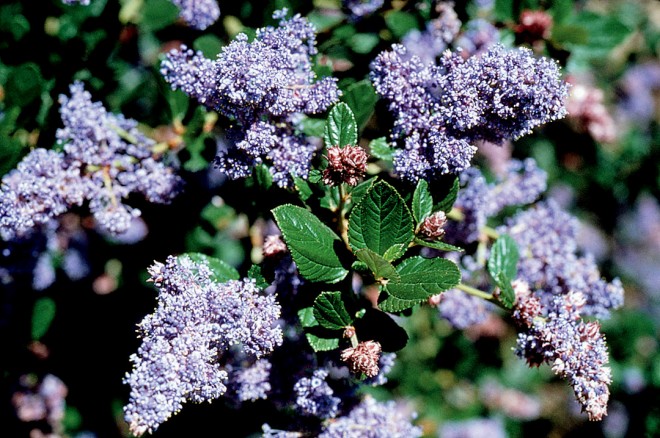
(197, 320)
(262, 86)
(637, 89)
(428, 44)
(534, 26)
(477, 36)
(462, 310)
(521, 183)
(473, 428)
(251, 382)
(41, 400)
(361, 8)
(576, 350)
(588, 113)
(199, 14)
(76, 2)
(345, 165)
(104, 159)
(546, 239)
(363, 358)
(315, 397)
(442, 110)
(432, 227)
(373, 419)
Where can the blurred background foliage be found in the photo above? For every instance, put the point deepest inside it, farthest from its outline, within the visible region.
(603, 163)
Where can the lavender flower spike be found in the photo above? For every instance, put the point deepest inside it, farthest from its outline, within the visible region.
(199, 14)
(196, 322)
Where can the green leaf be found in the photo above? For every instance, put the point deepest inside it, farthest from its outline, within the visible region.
(381, 149)
(222, 272)
(210, 45)
(380, 267)
(330, 312)
(340, 128)
(422, 203)
(263, 176)
(315, 176)
(395, 252)
(394, 304)
(380, 220)
(311, 244)
(24, 84)
(361, 97)
(507, 294)
(42, 316)
(450, 198)
(363, 43)
(178, 102)
(255, 273)
(504, 10)
(422, 278)
(503, 257)
(313, 332)
(304, 189)
(400, 23)
(360, 191)
(442, 246)
(312, 127)
(158, 14)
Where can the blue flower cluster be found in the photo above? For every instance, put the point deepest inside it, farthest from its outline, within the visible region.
(361, 8)
(104, 159)
(196, 322)
(315, 397)
(546, 238)
(199, 14)
(575, 349)
(262, 86)
(442, 110)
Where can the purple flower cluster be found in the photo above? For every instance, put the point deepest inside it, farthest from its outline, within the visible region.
(576, 350)
(199, 14)
(76, 2)
(315, 397)
(249, 383)
(361, 8)
(461, 309)
(373, 419)
(522, 183)
(477, 37)
(473, 428)
(196, 322)
(104, 159)
(428, 44)
(546, 239)
(261, 85)
(442, 110)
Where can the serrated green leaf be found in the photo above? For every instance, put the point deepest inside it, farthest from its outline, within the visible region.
(422, 278)
(43, 313)
(442, 246)
(359, 191)
(315, 176)
(381, 149)
(340, 128)
(503, 257)
(255, 273)
(222, 272)
(303, 188)
(448, 201)
(361, 97)
(395, 252)
(359, 266)
(422, 203)
(330, 312)
(317, 341)
(507, 294)
(311, 242)
(380, 267)
(380, 220)
(394, 304)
